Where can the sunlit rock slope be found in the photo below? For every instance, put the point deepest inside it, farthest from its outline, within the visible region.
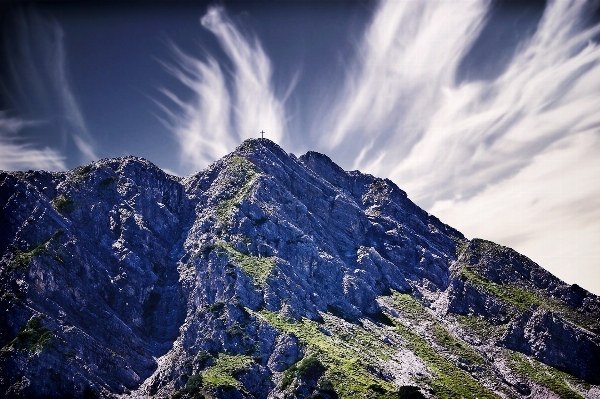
(270, 276)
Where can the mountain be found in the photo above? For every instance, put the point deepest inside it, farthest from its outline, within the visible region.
(270, 276)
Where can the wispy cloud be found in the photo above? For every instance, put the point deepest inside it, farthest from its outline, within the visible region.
(487, 131)
(256, 106)
(409, 53)
(441, 140)
(202, 126)
(39, 87)
(514, 158)
(514, 153)
(217, 118)
(70, 107)
(16, 155)
(549, 211)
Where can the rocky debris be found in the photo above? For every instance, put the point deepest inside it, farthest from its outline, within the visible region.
(267, 275)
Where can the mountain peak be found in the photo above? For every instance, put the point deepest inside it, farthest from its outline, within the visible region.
(267, 275)
(257, 145)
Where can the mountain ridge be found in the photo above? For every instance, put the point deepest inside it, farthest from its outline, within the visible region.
(270, 275)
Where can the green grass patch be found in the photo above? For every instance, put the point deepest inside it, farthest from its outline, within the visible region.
(63, 204)
(308, 365)
(83, 171)
(524, 299)
(192, 390)
(220, 375)
(481, 326)
(257, 267)
(449, 381)
(33, 338)
(410, 307)
(542, 374)
(516, 296)
(369, 344)
(455, 345)
(519, 297)
(242, 174)
(21, 259)
(344, 359)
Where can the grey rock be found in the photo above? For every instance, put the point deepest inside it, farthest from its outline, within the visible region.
(287, 351)
(556, 342)
(118, 280)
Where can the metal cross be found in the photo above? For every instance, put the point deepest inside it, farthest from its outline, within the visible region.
(262, 134)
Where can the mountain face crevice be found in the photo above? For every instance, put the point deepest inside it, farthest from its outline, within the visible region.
(270, 276)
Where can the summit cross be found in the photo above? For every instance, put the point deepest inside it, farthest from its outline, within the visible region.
(262, 134)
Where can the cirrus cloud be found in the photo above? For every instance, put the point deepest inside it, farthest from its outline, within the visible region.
(511, 157)
(219, 117)
(36, 78)
(17, 155)
(403, 115)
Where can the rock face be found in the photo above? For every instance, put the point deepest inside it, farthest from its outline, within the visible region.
(270, 276)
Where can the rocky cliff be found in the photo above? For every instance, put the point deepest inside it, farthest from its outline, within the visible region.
(270, 276)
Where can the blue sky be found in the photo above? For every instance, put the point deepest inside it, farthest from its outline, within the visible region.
(484, 112)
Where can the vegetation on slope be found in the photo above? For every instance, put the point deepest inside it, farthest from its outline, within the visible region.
(258, 268)
(520, 295)
(220, 374)
(449, 381)
(345, 361)
(63, 204)
(242, 175)
(544, 375)
(21, 258)
(33, 338)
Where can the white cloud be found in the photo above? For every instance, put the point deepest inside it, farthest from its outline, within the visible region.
(549, 211)
(401, 113)
(487, 131)
(511, 159)
(15, 155)
(256, 106)
(201, 126)
(70, 107)
(39, 82)
(217, 119)
(408, 55)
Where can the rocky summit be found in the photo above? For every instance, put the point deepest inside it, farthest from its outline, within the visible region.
(270, 276)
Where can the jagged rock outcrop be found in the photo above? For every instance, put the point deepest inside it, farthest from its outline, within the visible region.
(267, 275)
(556, 342)
(88, 257)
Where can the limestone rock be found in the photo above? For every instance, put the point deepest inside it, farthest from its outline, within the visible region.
(267, 275)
